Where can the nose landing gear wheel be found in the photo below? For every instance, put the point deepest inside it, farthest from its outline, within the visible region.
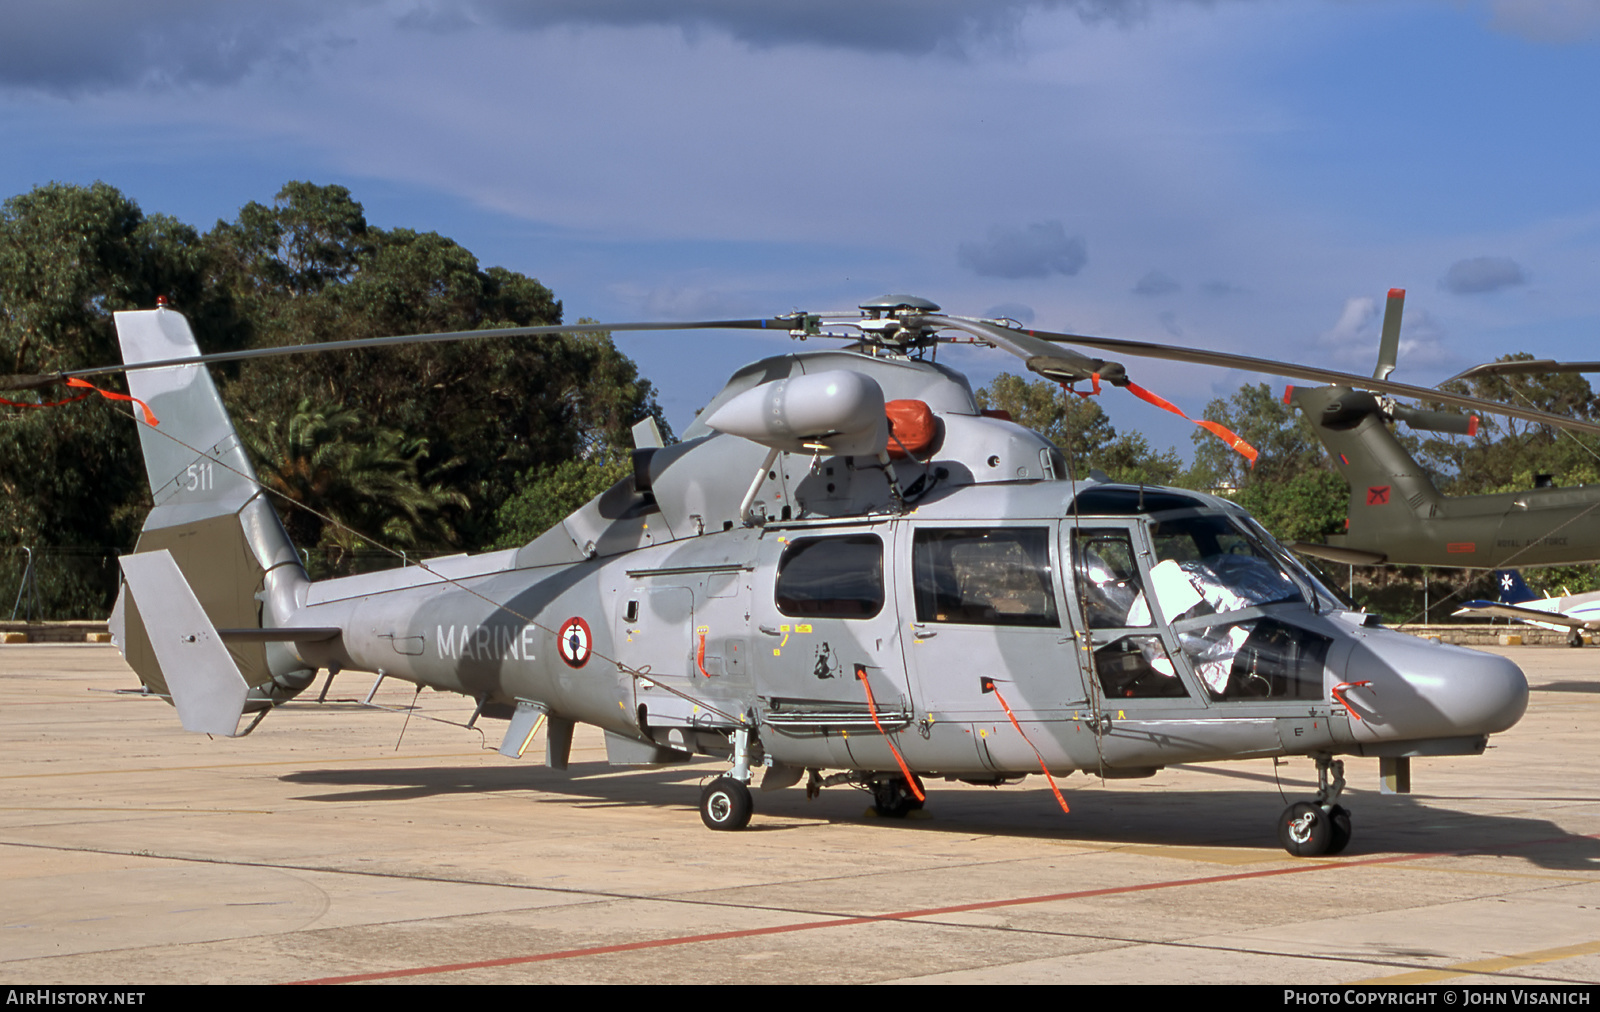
(1306, 830)
(1339, 817)
(725, 804)
(1315, 828)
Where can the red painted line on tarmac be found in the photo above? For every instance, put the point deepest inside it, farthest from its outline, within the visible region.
(599, 950)
(659, 943)
(840, 922)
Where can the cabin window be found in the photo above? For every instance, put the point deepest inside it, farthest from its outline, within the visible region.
(984, 576)
(1108, 575)
(838, 577)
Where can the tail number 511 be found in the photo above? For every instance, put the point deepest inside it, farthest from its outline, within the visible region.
(201, 477)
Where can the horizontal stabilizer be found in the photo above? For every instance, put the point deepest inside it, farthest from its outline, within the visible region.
(625, 751)
(525, 723)
(205, 683)
(1554, 618)
(286, 634)
(1343, 556)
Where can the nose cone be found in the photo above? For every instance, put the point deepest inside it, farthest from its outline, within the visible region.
(1422, 689)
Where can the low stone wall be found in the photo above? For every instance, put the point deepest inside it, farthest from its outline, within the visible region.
(1484, 634)
(54, 632)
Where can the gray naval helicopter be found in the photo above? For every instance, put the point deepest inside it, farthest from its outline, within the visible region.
(843, 566)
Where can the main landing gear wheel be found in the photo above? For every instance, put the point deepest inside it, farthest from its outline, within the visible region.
(1574, 638)
(892, 798)
(725, 804)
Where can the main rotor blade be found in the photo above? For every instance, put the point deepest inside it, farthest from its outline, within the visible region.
(1059, 365)
(1389, 343)
(1538, 365)
(1314, 374)
(27, 382)
(1437, 421)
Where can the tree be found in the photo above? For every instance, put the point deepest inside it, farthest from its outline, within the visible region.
(488, 411)
(1285, 441)
(310, 237)
(69, 257)
(1304, 506)
(360, 482)
(550, 493)
(1506, 454)
(1290, 488)
(429, 440)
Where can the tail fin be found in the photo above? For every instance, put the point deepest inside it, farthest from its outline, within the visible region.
(1512, 588)
(210, 515)
(1390, 493)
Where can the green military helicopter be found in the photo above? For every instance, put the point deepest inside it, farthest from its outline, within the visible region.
(1398, 516)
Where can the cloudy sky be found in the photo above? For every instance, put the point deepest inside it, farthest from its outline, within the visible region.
(1249, 175)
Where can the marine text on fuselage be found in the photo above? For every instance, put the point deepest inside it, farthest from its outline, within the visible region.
(486, 643)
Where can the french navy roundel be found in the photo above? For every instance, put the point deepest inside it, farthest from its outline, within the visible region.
(575, 642)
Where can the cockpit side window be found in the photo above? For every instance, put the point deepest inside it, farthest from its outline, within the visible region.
(1133, 666)
(838, 577)
(984, 576)
(1108, 575)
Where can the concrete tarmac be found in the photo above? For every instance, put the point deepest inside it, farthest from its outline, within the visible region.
(339, 843)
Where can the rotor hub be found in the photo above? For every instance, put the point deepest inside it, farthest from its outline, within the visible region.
(895, 305)
(896, 320)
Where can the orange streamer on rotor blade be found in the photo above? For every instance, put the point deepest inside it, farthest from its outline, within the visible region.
(149, 418)
(1222, 432)
(42, 404)
(1095, 392)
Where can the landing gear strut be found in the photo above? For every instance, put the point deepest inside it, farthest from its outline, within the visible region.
(725, 803)
(1315, 828)
(892, 797)
(1574, 638)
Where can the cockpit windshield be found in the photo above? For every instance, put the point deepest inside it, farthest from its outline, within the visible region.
(1212, 574)
(1207, 560)
(1211, 565)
